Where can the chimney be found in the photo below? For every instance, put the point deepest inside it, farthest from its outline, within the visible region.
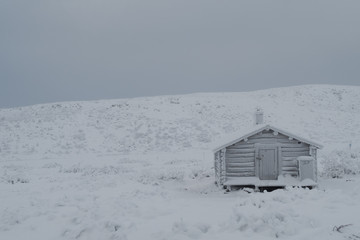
(259, 116)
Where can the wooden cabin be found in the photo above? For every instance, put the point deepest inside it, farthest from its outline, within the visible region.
(266, 157)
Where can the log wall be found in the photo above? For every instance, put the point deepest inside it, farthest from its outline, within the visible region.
(240, 159)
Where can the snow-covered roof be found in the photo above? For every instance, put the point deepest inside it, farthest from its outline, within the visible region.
(258, 128)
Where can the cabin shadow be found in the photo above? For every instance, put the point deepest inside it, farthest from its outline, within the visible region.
(253, 188)
(269, 189)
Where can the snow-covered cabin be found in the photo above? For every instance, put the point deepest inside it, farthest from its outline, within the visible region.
(266, 156)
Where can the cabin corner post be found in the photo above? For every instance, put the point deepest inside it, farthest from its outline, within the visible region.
(222, 166)
(217, 167)
(313, 153)
(279, 160)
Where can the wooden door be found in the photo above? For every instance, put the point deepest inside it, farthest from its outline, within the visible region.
(268, 163)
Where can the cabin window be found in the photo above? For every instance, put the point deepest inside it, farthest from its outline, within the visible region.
(299, 142)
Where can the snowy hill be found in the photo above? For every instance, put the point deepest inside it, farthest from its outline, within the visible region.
(327, 114)
(138, 168)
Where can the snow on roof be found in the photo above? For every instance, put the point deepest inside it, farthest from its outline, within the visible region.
(234, 138)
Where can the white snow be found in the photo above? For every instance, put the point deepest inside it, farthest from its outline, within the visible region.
(143, 168)
(281, 181)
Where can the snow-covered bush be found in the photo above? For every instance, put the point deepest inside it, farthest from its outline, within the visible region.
(73, 169)
(89, 170)
(339, 163)
(174, 175)
(154, 178)
(16, 179)
(52, 165)
(13, 174)
(200, 173)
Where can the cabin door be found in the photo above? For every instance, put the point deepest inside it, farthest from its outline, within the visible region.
(268, 162)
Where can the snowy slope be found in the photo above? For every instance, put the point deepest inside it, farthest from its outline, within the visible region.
(139, 168)
(329, 115)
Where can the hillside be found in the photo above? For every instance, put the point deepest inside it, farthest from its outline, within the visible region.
(137, 168)
(327, 114)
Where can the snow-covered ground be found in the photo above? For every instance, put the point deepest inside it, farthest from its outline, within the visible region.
(163, 197)
(142, 168)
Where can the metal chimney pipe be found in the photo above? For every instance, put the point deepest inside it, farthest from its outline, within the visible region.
(259, 116)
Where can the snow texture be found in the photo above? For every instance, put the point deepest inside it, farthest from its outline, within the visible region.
(143, 168)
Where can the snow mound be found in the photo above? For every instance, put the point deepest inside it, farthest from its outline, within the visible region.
(272, 214)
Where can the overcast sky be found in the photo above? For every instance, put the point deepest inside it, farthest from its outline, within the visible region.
(66, 50)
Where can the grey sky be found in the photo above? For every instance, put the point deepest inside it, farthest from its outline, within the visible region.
(53, 50)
